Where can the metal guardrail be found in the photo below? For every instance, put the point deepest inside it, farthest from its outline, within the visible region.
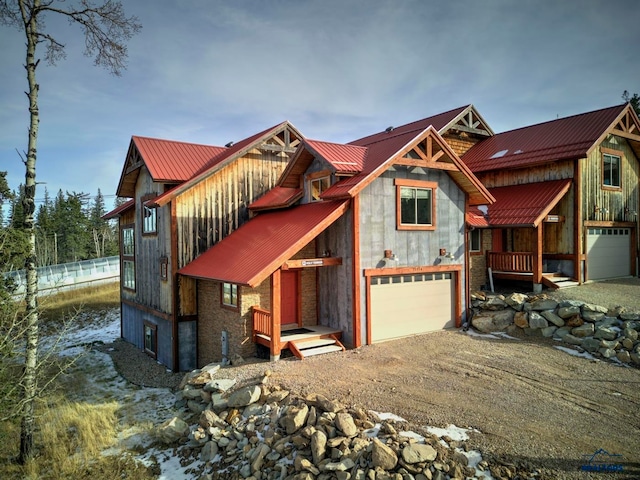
(67, 276)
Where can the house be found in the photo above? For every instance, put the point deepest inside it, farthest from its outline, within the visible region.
(567, 200)
(357, 243)
(184, 198)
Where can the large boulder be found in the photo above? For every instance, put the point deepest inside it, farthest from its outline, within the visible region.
(172, 430)
(497, 321)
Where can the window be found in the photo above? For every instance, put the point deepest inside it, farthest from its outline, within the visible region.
(164, 268)
(317, 183)
(148, 219)
(151, 339)
(128, 277)
(229, 296)
(611, 166)
(415, 209)
(475, 240)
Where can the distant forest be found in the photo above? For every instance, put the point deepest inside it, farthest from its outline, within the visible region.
(69, 228)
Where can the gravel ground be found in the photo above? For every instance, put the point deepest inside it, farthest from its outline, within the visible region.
(534, 405)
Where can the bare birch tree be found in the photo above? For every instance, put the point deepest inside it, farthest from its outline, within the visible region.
(106, 30)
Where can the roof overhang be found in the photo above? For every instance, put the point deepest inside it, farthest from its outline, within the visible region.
(116, 212)
(259, 247)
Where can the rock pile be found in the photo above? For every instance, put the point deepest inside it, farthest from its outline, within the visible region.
(609, 334)
(262, 432)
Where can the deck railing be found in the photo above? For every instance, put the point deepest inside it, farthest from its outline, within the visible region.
(521, 262)
(261, 322)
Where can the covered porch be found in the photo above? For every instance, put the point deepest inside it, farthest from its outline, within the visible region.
(302, 341)
(525, 267)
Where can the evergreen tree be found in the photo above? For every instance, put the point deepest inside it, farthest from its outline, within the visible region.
(634, 100)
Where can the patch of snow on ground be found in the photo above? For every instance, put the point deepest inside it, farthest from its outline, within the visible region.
(575, 353)
(495, 335)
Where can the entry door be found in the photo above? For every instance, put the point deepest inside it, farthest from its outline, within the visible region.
(289, 297)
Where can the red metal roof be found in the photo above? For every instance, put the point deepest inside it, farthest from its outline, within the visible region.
(170, 161)
(259, 247)
(277, 197)
(116, 212)
(563, 139)
(344, 158)
(525, 205)
(476, 218)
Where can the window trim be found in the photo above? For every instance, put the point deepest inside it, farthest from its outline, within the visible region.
(479, 250)
(230, 306)
(417, 184)
(317, 177)
(153, 213)
(611, 153)
(128, 257)
(153, 328)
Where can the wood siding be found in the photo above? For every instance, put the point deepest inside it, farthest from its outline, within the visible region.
(542, 173)
(335, 295)
(218, 205)
(413, 248)
(613, 200)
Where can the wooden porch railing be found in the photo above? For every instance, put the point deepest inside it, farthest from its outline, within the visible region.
(521, 262)
(261, 322)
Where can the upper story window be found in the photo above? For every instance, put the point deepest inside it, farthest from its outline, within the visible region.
(229, 296)
(317, 183)
(128, 275)
(611, 167)
(415, 204)
(148, 219)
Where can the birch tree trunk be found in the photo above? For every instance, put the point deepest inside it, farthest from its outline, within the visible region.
(29, 385)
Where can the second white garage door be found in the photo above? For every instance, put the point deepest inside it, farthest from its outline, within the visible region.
(608, 253)
(403, 305)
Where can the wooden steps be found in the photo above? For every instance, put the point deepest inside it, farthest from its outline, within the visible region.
(556, 281)
(315, 346)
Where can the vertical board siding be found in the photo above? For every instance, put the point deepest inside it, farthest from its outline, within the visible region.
(503, 178)
(412, 248)
(218, 205)
(335, 301)
(133, 332)
(614, 201)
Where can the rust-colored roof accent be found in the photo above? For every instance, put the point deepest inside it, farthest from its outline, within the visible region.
(259, 247)
(235, 151)
(525, 205)
(563, 139)
(476, 218)
(116, 212)
(277, 197)
(172, 162)
(345, 159)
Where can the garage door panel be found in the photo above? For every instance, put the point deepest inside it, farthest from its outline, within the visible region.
(410, 305)
(608, 253)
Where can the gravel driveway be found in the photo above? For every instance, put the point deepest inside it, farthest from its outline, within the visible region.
(533, 405)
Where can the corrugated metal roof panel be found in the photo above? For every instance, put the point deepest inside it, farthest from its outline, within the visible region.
(476, 218)
(116, 212)
(277, 197)
(526, 204)
(259, 247)
(172, 161)
(562, 139)
(344, 158)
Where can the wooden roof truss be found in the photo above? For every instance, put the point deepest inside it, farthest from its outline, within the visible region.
(284, 143)
(468, 122)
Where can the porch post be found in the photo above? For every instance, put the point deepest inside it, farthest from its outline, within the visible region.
(537, 261)
(275, 316)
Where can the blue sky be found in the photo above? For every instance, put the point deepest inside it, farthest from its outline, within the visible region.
(212, 71)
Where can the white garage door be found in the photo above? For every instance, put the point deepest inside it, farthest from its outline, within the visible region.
(403, 305)
(608, 253)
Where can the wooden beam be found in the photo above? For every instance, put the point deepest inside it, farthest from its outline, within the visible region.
(464, 128)
(630, 136)
(409, 162)
(276, 314)
(312, 262)
(537, 258)
(270, 147)
(356, 285)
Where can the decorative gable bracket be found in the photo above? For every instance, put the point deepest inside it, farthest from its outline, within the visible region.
(284, 142)
(627, 126)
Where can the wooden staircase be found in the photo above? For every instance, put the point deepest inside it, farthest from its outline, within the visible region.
(557, 281)
(315, 346)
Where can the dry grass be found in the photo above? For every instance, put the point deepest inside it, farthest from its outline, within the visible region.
(71, 435)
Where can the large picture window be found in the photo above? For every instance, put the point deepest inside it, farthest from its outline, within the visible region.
(128, 274)
(611, 166)
(229, 296)
(415, 209)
